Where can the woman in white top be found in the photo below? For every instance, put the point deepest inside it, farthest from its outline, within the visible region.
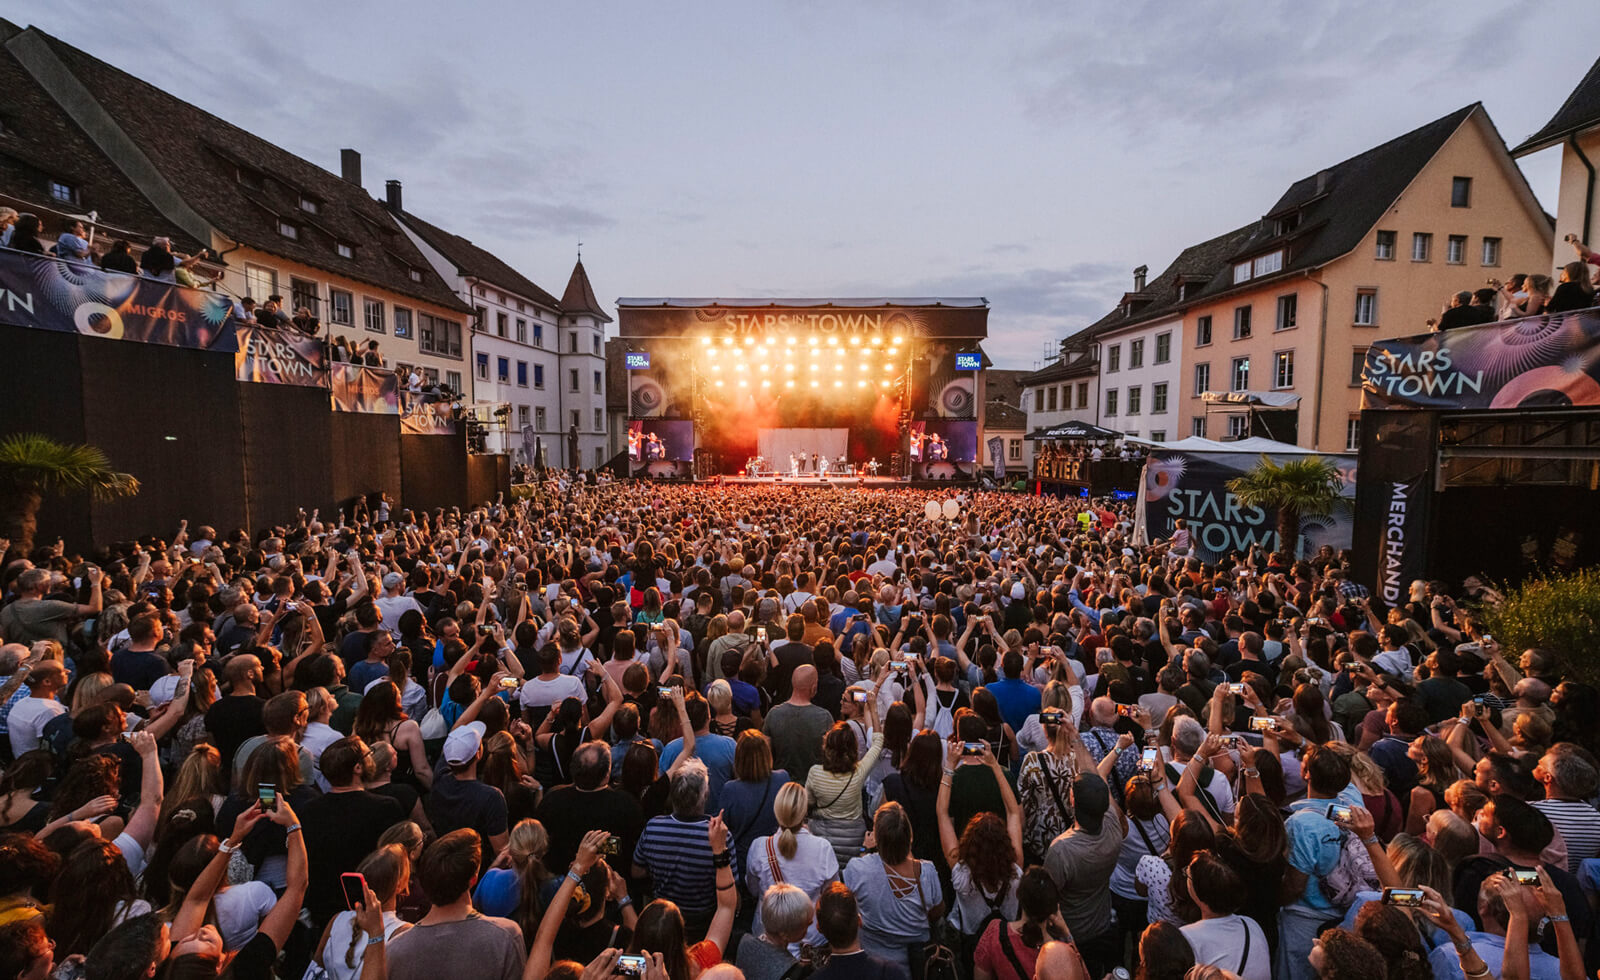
(1222, 937)
(792, 856)
(836, 785)
(343, 945)
(986, 861)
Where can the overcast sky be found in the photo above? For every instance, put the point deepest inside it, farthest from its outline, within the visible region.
(1032, 153)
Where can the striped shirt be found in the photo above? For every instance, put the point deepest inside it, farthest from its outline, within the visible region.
(1579, 824)
(677, 854)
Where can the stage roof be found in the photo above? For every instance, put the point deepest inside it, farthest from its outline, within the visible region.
(959, 320)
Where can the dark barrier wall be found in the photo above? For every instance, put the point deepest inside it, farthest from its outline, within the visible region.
(170, 417)
(433, 471)
(287, 451)
(44, 394)
(365, 456)
(1395, 501)
(487, 476)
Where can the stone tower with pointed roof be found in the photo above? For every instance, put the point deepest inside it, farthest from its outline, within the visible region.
(583, 371)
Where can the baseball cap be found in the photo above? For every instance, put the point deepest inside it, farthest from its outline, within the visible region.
(1019, 591)
(461, 745)
(163, 690)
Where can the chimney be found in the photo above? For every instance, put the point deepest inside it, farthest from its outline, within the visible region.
(1138, 277)
(1323, 179)
(391, 194)
(350, 166)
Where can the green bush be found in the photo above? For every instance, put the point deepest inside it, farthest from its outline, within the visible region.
(1560, 613)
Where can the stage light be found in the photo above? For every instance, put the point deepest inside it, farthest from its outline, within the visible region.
(727, 341)
(765, 383)
(887, 366)
(813, 382)
(706, 340)
(738, 353)
(861, 384)
(765, 367)
(838, 384)
(893, 351)
(749, 340)
(719, 382)
(789, 341)
(854, 340)
(742, 383)
(812, 341)
(833, 341)
(716, 367)
(813, 365)
(839, 366)
(789, 368)
(789, 383)
(884, 382)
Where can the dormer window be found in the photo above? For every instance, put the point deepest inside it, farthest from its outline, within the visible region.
(414, 274)
(308, 205)
(288, 229)
(344, 250)
(250, 178)
(1287, 223)
(63, 192)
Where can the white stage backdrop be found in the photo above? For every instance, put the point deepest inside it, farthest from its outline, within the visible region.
(775, 445)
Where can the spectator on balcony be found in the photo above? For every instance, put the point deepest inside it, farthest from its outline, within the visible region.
(119, 259)
(1461, 312)
(1576, 291)
(271, 313)
(25, 234)
(73, 246)
(157, 261)
(339, 350)
(8, 221)
(371, 357)
(305, 322)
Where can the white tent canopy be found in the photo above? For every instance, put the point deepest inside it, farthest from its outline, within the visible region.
(1254, 444)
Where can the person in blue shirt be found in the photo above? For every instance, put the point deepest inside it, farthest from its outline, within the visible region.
(1503, 905)
(716, 751)
(1017, 698)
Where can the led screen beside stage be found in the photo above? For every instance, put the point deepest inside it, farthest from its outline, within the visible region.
(661, 448)
(943, 450)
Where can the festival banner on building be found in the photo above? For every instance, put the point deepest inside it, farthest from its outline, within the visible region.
(883, 320)
(279, 357)
(1544, 361)
(1193, 486)
(71, 297)
(427, 418)
(997, 454)
(356, 388)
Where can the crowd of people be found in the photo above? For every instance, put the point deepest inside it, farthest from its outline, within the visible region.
(1524, 294)
(689, 732)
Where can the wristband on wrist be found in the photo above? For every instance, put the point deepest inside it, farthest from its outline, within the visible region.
(375, 940)
(574, 877)
(1558, 918)
(722, 860)
(227, 847)
(291, 829)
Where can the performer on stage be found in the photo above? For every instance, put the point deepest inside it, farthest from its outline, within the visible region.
(842, 466)
(654, 449)
(872, 466)
(936, 451)
(816, 465)
(794, 465)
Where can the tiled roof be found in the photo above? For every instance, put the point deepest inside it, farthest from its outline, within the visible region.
(579, 297)
(1061, 370)
(1003, 384)
(40, 143)
(1581, 111)
(998, 415)
(480, 263)
(1196, 265)
(205, 157)
(1334, 208)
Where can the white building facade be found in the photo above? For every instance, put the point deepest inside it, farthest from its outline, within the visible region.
(1139, 379)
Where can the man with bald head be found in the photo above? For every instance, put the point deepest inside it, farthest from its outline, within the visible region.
(796, 726)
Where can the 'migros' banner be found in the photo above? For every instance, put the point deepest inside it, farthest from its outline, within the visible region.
(52, 294)
(1194, 487)
(356, 388)
(279, 357)
(1535, 361)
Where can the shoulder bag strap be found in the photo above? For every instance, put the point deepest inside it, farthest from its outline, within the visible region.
(1245, 956)
(1139, 826)
(772, 862)
(1050, 782)
(1011, 954)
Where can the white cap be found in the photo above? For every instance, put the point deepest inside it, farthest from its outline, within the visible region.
(164, 690)
(1019, 591)
(461, 745)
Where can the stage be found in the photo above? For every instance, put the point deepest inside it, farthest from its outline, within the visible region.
(877, 482)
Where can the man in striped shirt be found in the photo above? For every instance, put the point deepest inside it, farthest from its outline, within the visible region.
(675, 849)
(1569, 782)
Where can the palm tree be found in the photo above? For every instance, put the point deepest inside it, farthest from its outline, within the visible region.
(1306, 486)
(33, 465)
